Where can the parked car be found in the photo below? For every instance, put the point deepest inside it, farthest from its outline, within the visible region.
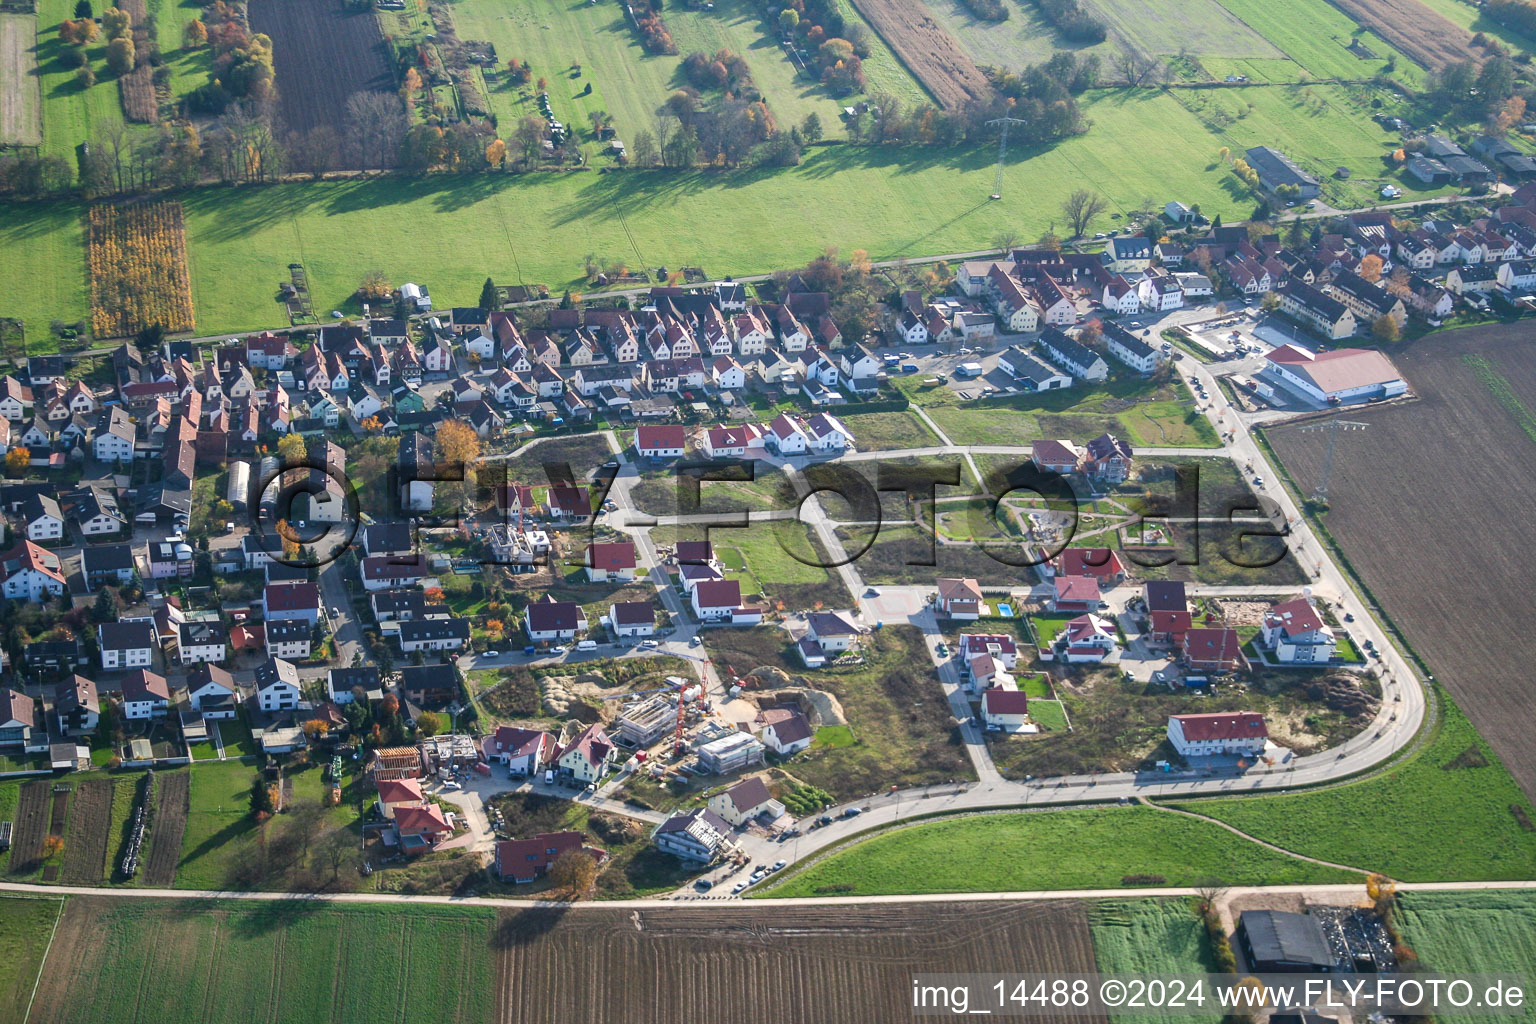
(778, 865)
(738, 887)
(703, 885)
(557, 649)
(648, 644)
(491, 654)
(694, 640)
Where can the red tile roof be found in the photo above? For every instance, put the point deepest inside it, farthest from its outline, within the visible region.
(1098, 562)
(612, 557)
(528, 858)
(1077, 589)
(718, 593)
(426, 820)
(395, 791)
(1005, 702)
(651, 438)
(1223, 725)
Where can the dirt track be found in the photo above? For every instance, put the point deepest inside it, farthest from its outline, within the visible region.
(1416, 30)
(933, 55)
(1432, 504)
(759, 964)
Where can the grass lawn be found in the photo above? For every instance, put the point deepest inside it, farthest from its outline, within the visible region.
(224, 848)
(237, 738)
(1142, 412)
(781, 559)
(1454, 814)
(884, 431)
(1070, 849)
(1460, 933)
(26, 925)
(983, 520)
(1049, 715)
(538, 227)
(430, 963)
(902, 733)
(905, 555)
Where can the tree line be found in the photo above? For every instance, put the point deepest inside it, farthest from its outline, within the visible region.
(1072, 20)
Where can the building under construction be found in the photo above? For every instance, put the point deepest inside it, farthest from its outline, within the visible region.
(731, 753)
(647, 721)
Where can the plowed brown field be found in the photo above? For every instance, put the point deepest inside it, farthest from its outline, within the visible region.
(784, 965)
(172, 797)
(1432, 506)
(1413, 28)
(934, 56)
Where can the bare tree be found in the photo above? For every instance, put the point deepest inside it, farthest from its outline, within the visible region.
(1208, 892)
(1136, 66)
(1005, 240)
(313, 152)
(1080, 208)
(376, 125)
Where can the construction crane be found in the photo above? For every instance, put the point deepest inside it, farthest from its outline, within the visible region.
(675, 684)
(1333, 428)
(1002, 151)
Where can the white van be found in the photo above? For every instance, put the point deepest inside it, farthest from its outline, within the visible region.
(587, 645)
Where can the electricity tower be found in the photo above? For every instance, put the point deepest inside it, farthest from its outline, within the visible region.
(1332, 428)
(1002, 151)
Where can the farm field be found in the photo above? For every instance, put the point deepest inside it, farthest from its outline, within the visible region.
(321, 54)
(901, 725)
(1471, 18)
(26, 925)
(88, 841)
(1416, 30)
(1066, 849)
(281, 960)
(1471, 932)
(1145, 414)
(1150, 938)
(1024, 38)
(1456, 815)
(767, 964)
(1195, 26)
(1472, 514)
(935, 58)
(21, 96)
(538, 227)
(167, 827)
(1315, 35)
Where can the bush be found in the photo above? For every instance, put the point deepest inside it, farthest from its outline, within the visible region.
(73, 57)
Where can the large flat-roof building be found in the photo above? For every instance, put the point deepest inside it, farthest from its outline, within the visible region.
(1336, 376)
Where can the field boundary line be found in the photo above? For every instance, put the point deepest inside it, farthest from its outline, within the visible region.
(43, 963)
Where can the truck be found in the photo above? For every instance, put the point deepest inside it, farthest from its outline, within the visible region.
(908, 367)
(968, 370)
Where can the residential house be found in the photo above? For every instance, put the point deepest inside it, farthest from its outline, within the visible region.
(1075, 594)
(77, 704)
(1103, 564)
(525, 860)
(43, 518)
(212, 691)
(632, 619)
(289, 639)
(201, 640)
(1297, 635)
(345, 685)
(450, 634)
(959, 598)
(1241, 733)
(1134, 352)
(1324, 314)
(277, 685)
(785, 730)
(430, 685)
(291, 601)
(1055, 456)
(18, 723)
(1108, 459)
(786, 435)
(745, 801)
(523, 751)
(554, 621)
(826, 435)
(1005, 710)
(145, 695)
(715, 600)
(1214, 650)
(831, 631)
(126, 645)
(395, 795)
(1085, 639)
(588, 757)
(661, 441)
